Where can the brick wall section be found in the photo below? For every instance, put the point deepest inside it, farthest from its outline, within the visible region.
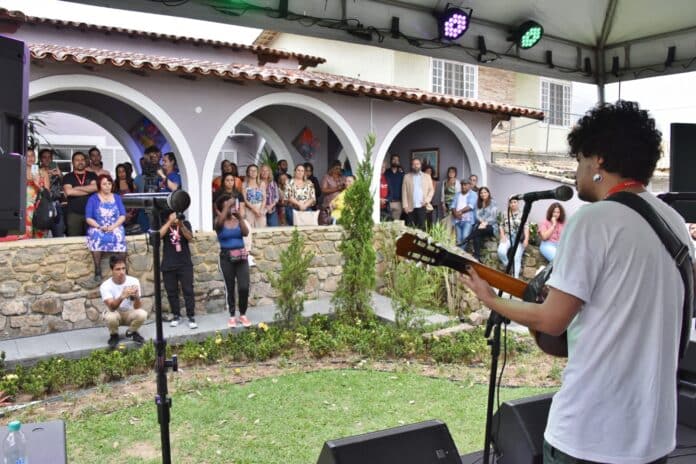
(497, 85)
(47, 285)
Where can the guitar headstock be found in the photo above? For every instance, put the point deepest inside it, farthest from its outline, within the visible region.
(421, 249)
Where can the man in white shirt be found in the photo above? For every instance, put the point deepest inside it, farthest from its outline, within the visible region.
(619, 294)
(121, 294)
(416, 194)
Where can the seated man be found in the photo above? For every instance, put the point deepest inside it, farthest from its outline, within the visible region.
(121, 294)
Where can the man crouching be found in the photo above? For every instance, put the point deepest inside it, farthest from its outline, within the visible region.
(121, 294)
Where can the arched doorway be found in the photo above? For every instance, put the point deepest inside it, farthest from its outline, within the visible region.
(50, 88)
(462, 151)
(259, 109)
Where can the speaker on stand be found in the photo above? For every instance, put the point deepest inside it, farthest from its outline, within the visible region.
(682, 158)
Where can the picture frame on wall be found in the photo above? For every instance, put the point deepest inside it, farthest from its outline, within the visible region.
(429, 157)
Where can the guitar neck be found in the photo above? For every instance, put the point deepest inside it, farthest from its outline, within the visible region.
(495, 278)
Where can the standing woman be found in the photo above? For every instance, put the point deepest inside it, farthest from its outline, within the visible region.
(331, 185)
(284, 208)
(449, 188)
(225, 167)
(550, 230)
(36, 182)
(105, 216)
(300, 197)
(272, 195)
(228, 187)
(231, 230)
(169, 173)
(254, 198)
(510, 227)
(124, 184)
(487, 217)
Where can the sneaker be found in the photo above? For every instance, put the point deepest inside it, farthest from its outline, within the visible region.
(245, 321)
(232, 322)
(113, 341)
(192, 323)
(137, 338)
(174, 322)
(252, 261)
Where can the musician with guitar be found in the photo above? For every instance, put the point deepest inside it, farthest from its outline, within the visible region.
(619, 294)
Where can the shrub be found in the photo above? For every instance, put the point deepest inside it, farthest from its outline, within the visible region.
(353, 295)
(291, 280)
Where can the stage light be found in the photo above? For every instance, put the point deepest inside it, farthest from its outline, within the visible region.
(528, 34)
(453, 23)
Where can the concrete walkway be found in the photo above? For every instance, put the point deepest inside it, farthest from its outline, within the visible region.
(76, 344)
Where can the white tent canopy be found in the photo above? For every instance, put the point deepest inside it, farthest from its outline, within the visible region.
(619, 39)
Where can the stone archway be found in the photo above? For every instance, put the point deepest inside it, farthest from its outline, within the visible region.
(143, 104)
(458, 127)
(322, 110)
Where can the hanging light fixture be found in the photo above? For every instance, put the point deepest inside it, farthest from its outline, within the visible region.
(453, 23)
(528, 34)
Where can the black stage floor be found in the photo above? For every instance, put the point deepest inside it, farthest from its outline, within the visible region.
(684, 454)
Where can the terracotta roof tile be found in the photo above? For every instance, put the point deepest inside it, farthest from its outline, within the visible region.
(263, 52)
(273, 76)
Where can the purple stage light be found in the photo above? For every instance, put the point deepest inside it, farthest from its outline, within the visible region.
(453, 23)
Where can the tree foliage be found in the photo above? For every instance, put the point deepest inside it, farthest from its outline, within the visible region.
(353, 295)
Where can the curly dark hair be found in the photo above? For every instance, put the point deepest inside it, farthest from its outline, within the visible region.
(623, 135)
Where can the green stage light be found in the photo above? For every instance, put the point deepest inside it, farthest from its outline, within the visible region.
(528, 34)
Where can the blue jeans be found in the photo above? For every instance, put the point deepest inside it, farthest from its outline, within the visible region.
(503, 248)
(548, 250)
(272, 219)
(288, 215)
(462, 230)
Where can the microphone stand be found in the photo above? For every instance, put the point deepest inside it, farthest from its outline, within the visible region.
(162, 399)
(495, 320)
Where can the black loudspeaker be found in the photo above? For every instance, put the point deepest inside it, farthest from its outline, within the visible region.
(423, 443)
(14, 101)
(518, 430)
(682, 157)
(686, 401)
(14, 96)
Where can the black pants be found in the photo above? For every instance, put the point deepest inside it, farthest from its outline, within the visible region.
(477, 237)
(172, 279)
(76, 224)
(555, 456)
(416, 218)
(238, 272)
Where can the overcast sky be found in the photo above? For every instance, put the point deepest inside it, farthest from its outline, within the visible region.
(669, 98)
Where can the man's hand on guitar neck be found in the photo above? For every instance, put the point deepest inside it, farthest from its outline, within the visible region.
(551, 317)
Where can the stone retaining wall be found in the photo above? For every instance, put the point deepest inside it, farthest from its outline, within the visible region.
(47, 285)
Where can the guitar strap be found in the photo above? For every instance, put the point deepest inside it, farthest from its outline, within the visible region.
(676, 248)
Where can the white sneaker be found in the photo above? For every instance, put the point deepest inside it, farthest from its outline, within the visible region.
(174, 322)
(192, 324)
(252, 261)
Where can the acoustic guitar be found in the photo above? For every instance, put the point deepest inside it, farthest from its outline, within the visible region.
(422, 249)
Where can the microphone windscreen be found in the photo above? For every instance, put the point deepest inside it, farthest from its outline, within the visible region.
(564, 193)
(179, 201)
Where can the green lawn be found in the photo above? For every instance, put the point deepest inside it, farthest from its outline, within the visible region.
(284, 419)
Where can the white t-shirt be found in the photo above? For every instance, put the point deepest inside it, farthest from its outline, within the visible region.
(617, 403)
(110, 290)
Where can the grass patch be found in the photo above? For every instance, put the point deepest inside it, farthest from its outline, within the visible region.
(283, 419)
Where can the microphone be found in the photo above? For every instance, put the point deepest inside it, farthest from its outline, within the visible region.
(177, 201)
(562, 193)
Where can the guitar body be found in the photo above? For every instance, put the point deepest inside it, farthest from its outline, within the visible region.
(421, 249)
(536, 292)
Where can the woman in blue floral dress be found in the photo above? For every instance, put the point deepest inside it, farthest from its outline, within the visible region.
(105, 215)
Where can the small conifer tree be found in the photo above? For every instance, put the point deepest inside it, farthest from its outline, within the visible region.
(290, 281)
(353, 295)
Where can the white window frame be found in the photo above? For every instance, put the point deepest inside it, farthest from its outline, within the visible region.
(465, 67)
(567, 101)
